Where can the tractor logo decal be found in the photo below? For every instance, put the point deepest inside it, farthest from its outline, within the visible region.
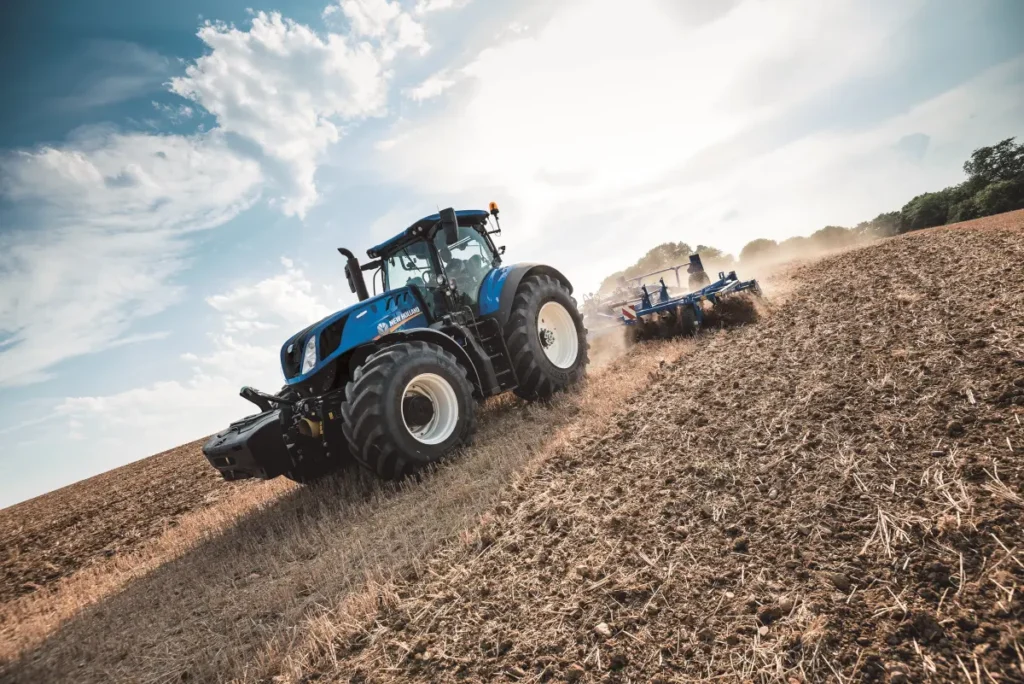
(389, 326)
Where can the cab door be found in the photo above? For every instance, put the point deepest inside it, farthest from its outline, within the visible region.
(415, 267)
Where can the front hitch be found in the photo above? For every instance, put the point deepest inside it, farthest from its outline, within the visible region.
(264, 402)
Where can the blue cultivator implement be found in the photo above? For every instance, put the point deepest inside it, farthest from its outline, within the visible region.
(666, 313)
(603, 314)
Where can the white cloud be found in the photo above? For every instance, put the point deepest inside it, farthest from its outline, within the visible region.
(102, 218)
(605, 131)
(170, 412)
(108, 213)
(428, 6)
(175, 115)
(281, 86)
(623, 97)
(432, 87)
(371, 18)
(289, 90)
(287, 297)
(387, 144)
(843, 177)
(385, 21)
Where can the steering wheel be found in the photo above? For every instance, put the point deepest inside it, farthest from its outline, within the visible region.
(475, 265)
(456, 268)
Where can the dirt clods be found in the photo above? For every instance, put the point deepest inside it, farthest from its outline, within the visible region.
(832, 492)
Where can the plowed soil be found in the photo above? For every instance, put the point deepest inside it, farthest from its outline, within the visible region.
(55, 535)
(834, 493)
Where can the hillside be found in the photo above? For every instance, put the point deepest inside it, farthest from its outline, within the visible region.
(833, 493)
(53, 536)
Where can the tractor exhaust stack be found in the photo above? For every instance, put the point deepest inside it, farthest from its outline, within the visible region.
(354, 274)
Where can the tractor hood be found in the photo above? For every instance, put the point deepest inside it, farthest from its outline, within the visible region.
(341, 332)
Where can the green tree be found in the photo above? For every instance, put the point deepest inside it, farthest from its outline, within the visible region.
(711, 252)
(665, 254)
(715, 259)
(794, 244)
(926, 211)
(832, 237)
(964, 210)
(995, 198)
(661, 256)
(1003, 161)
(883, 225)
(758, 249)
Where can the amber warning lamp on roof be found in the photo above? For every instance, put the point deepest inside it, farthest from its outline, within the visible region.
(494, 212)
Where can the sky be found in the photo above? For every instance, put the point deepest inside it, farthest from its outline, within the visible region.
(175, 178)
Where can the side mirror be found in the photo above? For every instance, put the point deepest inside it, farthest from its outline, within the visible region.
(450, 225)
(501, 250)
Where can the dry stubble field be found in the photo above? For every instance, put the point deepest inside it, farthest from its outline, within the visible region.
(833, 494)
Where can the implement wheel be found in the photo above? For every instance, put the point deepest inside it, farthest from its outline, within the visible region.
(407, 406)
(641, 331)
(688, 324)
(546, 339)
(668, 326)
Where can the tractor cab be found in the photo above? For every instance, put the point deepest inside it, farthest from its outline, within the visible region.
(444, 257)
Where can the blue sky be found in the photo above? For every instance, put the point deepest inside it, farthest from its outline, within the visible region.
(175, 177)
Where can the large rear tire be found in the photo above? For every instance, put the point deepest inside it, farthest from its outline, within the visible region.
(407, 406)
(546, 338)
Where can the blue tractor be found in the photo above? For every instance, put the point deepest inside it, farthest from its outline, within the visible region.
(391, 382)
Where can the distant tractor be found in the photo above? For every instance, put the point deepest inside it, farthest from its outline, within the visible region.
(392, 381)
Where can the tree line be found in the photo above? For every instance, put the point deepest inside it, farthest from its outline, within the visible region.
(995, 184)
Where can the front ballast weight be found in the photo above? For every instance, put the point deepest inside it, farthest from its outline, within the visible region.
(723, 303)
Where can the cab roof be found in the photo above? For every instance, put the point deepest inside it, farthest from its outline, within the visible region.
(465, 217)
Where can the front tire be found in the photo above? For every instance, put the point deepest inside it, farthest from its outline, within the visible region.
(546, 338)
(407, 406)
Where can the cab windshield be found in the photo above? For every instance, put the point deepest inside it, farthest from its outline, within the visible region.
(410, 266)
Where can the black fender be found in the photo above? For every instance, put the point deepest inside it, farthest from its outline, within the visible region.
(437, 337)
(511, 286)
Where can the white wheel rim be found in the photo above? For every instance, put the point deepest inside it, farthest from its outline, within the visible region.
(558, 336)
(445, 404)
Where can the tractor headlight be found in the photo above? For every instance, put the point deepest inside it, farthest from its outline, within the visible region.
(309, 355)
